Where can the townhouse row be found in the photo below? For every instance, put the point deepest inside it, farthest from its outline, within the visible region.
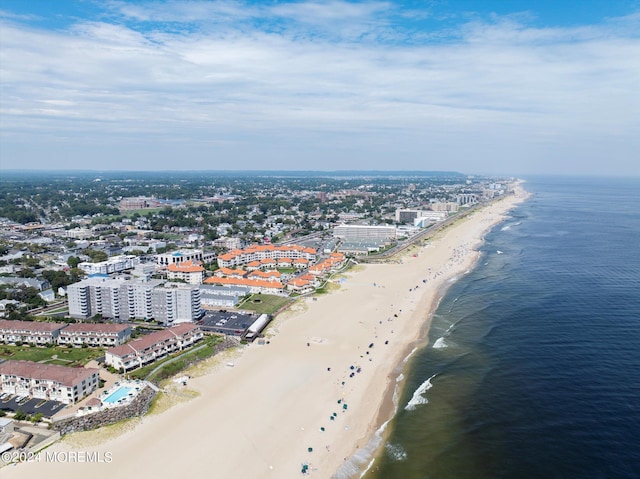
(42, 334)
(47, 381)
(258, 253)
(152, 347)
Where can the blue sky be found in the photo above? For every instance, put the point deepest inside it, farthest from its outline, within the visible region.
(506, 87)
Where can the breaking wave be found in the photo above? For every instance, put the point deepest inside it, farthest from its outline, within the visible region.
(418, 397)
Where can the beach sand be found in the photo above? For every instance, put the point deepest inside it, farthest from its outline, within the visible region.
(315, 394)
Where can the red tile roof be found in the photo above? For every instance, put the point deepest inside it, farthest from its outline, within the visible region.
(145, 342)
(95, 328)
(32, 326)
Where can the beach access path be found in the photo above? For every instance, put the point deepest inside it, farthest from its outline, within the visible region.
(313, 395)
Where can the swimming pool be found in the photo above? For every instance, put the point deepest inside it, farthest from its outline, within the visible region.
(121, 392)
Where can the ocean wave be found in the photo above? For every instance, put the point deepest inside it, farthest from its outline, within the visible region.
(396, 452)
(505, 228)
(418, 397)
(409, 355)
(355, 464)
(440, 344)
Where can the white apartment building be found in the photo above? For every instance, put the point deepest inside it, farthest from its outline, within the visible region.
(95, 296)
(91, 334)
(173, 257)
(37, 333)
(188, 271)
(229, 243)
(118, 298)
(152, 347)
(176, 303)
(47, 381)
(365, 232)
(114, 264)
(138, 296)
(414, 216)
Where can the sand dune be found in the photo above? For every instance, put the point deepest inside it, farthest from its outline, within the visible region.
(314, 395)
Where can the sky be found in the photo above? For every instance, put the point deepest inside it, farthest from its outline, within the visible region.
(509, 87)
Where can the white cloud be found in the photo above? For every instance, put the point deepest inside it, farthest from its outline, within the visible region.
(501, 90)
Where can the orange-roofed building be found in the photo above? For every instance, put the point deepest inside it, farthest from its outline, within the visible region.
(255, 285)
(191, 272)
(300, 263)
(252, 266)
(265, 275)
(230, 273)
(300, 285)
(261, 252)
(285, 262)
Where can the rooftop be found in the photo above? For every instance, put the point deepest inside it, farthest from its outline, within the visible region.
(52, 372)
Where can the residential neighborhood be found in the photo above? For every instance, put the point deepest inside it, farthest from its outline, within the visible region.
(121, 276)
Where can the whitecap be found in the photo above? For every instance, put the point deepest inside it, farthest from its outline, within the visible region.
(440, 344)
(418, 397)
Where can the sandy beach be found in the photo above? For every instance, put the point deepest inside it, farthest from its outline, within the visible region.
(315, 394)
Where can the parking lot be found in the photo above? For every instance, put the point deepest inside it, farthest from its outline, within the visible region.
(233, 323)
(31, 406)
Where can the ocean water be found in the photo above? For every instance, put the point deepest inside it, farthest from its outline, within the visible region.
(532, 366)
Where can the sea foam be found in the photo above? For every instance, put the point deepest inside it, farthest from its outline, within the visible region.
(418, 397)
(396, 452)
(440, 344)
(355, 464)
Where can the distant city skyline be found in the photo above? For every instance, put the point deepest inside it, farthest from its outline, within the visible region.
(478, 87)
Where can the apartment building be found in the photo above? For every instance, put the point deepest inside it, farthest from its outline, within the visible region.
(91, 334)
(184, 255)
(265, 252)
(47, 381)
(31, 332)
(154, 346)
(191, 272)
(114, 264)
(175, 303)
(212, 296)
(118, 298)
(419, 216)
(365, 232)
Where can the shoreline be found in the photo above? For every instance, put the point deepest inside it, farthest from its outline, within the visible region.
(396, 386)
(277, 408)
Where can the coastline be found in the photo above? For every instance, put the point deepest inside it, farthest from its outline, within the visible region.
(261, 417)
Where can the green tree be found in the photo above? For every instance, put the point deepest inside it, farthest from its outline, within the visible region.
(73, 261)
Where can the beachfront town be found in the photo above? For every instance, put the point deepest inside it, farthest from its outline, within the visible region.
(112, 283)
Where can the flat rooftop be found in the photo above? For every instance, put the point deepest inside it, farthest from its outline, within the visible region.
(233, 323)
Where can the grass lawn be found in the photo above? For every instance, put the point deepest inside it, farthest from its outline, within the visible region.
(264, 303)
(66, 356)
(177, 362)
(287, 270)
